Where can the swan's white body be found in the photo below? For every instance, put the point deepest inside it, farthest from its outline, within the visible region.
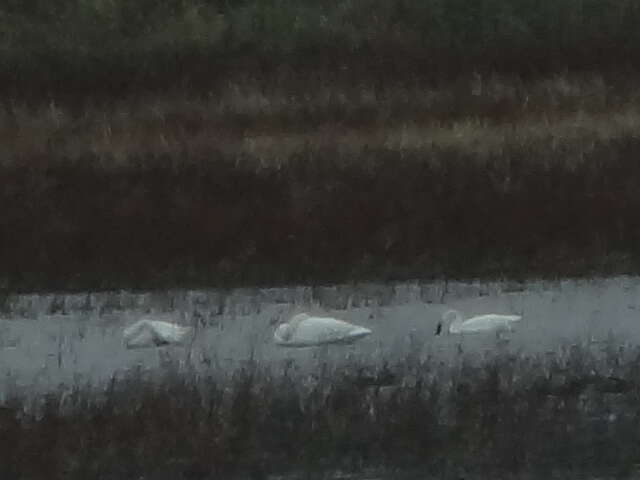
(147, 333)
(481, 323)
(303, 330)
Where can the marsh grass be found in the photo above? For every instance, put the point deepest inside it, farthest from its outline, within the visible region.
(258, 185)
(75, 48)
(573, 411)
(273, 123)
(382, 214)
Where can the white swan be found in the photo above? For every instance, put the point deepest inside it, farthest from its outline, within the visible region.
(154, 333)
(303, 330)
(491, 322)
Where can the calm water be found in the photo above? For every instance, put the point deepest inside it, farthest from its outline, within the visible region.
(48, 339)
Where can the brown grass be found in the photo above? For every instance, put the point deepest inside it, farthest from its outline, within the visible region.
(476, 115)
(252, 186)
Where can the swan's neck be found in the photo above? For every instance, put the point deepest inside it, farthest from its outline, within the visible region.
(283, 333)
(456, 323)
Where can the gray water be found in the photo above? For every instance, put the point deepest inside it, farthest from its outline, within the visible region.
(46, 340)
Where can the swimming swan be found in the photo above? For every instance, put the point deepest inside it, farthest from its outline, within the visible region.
(303, 330)
(154, 333)
(478, 324)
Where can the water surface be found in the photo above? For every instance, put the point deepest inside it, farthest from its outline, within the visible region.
(46, 339)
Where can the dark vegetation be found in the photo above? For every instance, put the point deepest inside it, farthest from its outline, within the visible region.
(78, 47)
(570, 413)
(161, 143)
(325, 217)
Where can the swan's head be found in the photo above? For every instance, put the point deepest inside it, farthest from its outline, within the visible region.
(285, 330)
(449, 318)
(283, 333)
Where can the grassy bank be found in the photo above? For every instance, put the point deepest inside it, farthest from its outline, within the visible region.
(486, 178)
(77, 48)
(489, 176)
(572, 413)
(501, 204)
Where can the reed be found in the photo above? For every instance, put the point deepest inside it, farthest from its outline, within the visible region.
(530, 209)
(572, 412)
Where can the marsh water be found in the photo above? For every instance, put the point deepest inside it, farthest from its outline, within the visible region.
(48, 339)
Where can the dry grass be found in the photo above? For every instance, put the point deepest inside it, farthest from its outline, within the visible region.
(250, 185)
(474, 116)
(473, 136)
